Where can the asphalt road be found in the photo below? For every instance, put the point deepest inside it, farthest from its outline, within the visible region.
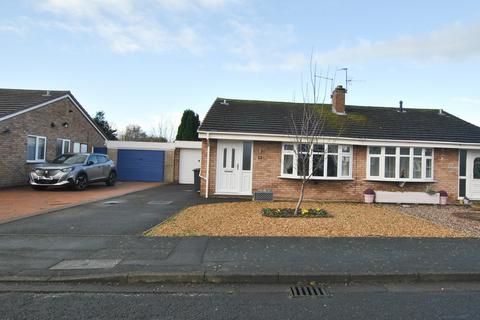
(395, 301)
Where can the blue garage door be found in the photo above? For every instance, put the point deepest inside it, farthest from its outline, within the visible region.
(140, 165)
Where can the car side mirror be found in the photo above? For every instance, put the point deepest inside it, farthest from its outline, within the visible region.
(89, 163)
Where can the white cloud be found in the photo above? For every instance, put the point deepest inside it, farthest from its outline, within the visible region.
(262, 47)
(450, 44)
(183, 5)
(130, 26)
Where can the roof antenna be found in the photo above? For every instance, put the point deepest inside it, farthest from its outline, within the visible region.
(327, 79)
(346, 77)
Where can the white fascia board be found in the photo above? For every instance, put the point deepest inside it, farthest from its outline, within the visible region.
(338, 140)
(50, 102)
(139, 145)
(188, 144)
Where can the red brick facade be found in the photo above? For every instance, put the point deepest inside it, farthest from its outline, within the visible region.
(47, 122)
(267, 164)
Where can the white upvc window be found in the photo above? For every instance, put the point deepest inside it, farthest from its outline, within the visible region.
(322, 161)
(36, 148)
(400, 164)
(62, 146)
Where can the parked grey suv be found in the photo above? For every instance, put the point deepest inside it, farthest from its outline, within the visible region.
(74, 169)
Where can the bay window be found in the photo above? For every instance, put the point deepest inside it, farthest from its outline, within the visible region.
(400, 163)
(321, 161)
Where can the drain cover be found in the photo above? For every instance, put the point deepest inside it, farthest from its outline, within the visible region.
(160, 202)
(114, 202)
(307, 291)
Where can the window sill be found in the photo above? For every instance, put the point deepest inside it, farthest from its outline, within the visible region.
(319, 178)
(400, 180)
(35, 161)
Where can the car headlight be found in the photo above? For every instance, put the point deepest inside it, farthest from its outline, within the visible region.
(67, 170)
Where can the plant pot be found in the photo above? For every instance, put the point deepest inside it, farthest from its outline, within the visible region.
(443, 200)
(369, 198)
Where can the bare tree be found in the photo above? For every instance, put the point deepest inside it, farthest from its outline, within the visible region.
(164, 129)
(307, 128)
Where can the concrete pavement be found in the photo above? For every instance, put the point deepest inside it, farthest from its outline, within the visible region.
(250, 260)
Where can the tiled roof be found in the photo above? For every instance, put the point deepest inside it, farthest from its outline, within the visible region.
(361, 122)
(14, 100)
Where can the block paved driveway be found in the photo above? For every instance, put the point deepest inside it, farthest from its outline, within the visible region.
(130, 214)
(23, 201)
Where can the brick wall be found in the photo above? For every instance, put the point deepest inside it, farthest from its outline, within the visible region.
(169, 166)
(176, 165)
(13, 145)
(267, 164)
(213, 165)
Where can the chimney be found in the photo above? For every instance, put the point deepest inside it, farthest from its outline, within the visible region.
(400, 105)
(338, 100)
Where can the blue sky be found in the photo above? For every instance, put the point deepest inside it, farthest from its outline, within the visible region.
(145, 61)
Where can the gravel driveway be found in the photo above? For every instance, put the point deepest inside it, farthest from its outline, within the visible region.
(447, 216)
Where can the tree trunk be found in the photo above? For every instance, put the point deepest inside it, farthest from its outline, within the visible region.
(300, 199)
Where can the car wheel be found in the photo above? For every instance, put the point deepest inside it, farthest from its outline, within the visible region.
(39, 187)
(81, 182)
(112, 178)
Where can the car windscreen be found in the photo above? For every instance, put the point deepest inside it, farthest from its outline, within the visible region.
(70, 159)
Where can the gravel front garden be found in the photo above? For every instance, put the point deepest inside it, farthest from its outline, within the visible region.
(459, 218)
(343, 220)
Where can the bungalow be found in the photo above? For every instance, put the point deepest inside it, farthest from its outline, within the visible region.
(36, 125)
(247, 146)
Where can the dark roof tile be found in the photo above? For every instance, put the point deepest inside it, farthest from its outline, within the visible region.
(361, 122)
(15, 100)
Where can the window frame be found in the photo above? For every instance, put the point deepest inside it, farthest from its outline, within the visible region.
(63, 145)
(382, 155)
(37, 160)
(340, 155)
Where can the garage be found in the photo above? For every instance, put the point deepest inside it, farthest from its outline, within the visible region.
(189, 160)
(140, 165)
(168, 162)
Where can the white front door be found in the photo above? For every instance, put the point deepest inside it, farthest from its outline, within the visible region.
(473, 175)
(234, 167)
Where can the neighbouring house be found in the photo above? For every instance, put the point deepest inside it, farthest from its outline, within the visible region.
(247, 146)
(38, 125)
